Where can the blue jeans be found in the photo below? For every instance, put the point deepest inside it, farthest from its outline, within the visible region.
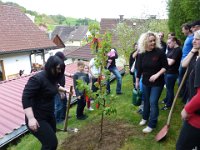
(151, 110)
(118, 76)
(170, 80)
(60, 108)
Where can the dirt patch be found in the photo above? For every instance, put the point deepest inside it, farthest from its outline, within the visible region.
(114, 135)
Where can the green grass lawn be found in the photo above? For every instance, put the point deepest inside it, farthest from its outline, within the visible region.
(125, 111)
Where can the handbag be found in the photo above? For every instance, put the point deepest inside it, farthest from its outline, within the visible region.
(137, 97)
(133, 67)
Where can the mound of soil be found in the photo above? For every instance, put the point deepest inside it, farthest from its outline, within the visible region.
(114, 135)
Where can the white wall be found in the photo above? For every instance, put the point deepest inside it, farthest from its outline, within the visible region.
(68, 61)
(14, 63)
(38, 57)
(74, 43)
(52, 52)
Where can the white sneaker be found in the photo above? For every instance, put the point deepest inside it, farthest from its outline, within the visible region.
(91, 109)
(147, 130)
(142, 122)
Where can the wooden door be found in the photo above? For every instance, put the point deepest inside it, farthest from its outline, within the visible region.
(2, 71)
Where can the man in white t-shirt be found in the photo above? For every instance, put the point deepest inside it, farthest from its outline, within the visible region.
(95, 72)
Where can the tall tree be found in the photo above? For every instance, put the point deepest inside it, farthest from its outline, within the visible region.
(180, 12)
(127, 35)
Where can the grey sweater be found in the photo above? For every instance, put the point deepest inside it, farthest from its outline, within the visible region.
(80, 76)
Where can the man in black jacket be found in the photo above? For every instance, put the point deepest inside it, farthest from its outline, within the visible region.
(61, 98)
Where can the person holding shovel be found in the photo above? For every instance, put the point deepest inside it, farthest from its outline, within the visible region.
(38, 102)
(189, 137)
(152, 64)
(61, 98)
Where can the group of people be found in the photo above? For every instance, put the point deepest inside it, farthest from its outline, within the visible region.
(155, 64)
(44, 97)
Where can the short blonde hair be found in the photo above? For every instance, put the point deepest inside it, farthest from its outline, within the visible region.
(142, 42)
(80, 63)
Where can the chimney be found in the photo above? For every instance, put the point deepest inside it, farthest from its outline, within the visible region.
(121, 18)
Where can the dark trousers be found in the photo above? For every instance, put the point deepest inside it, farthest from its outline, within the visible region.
(184, 90)
(46, 134)
(94, 88)
(80, 106)
(170, 80)
(189, 138)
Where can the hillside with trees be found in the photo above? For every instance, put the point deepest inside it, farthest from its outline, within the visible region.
(52, 20)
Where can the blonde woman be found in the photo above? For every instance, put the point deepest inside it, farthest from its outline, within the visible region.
(152, 64)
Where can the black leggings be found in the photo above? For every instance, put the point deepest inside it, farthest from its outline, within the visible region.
(46, 134)
(189, 138)
(80, 106)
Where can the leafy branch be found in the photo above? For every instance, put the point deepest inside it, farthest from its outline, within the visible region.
(100, 46)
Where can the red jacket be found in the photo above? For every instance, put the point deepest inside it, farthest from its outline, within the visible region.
(191, 108)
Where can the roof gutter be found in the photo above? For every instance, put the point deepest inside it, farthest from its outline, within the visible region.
(15, 134)
(28, 50)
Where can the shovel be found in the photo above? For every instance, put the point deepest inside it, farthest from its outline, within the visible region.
(67, 115)
(68, 107)
(163, 132)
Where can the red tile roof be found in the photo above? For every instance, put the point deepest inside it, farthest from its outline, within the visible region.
(12, 114)
(69, 49)
(83, 52)
(110, 24)
(19, 33)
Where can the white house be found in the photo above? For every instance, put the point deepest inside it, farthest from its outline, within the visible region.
(20, 39)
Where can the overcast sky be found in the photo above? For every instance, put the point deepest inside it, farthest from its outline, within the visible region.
(96, 9)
